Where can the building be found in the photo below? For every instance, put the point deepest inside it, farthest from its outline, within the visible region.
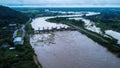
(18, 41)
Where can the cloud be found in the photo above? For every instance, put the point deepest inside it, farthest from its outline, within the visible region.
(62, 2)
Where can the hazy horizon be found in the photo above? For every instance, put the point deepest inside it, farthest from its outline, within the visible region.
(61, 3)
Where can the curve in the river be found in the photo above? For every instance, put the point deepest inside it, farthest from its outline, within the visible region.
(70, 49)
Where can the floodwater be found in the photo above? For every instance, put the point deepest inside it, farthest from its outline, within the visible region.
(114, 34)
(71, 49)
(89, 24)
(41, 23)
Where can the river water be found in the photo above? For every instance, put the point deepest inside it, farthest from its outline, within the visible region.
(69, 49)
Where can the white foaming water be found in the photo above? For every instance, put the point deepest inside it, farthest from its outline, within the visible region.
(41, 23)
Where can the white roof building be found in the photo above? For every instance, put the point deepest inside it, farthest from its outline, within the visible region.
(18, 41)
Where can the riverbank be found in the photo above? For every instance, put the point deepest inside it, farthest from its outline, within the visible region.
(28, 28)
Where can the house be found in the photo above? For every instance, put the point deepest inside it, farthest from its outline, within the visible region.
(12, 25)
(18, 41)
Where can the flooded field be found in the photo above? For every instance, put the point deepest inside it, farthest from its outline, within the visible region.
(114, 34)
(71, 49)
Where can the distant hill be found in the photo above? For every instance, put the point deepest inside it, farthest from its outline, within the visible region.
(10, 16)
(9, 20)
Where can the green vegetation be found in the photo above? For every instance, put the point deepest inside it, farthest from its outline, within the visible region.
(28, 27)
(10, 20)
(21, 57)
(64, 20)
(10, 16)
(107, 20)
(34, 13)
(19, 34)
(31, 11)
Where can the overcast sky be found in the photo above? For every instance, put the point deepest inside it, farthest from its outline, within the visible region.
(63, 2)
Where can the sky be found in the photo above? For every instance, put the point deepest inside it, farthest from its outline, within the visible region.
(62, 2)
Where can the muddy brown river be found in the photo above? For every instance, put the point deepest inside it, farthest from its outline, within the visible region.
(71, 49)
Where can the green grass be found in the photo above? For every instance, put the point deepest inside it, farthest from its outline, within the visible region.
(19, 33)
(30, 11)
(28, 27)
(106, 21)
(9, 58)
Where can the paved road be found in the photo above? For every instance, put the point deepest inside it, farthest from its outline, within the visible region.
(23, 30)
(15, 33)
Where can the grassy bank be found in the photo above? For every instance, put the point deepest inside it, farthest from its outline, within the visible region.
(19, 34)
(28, 27)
